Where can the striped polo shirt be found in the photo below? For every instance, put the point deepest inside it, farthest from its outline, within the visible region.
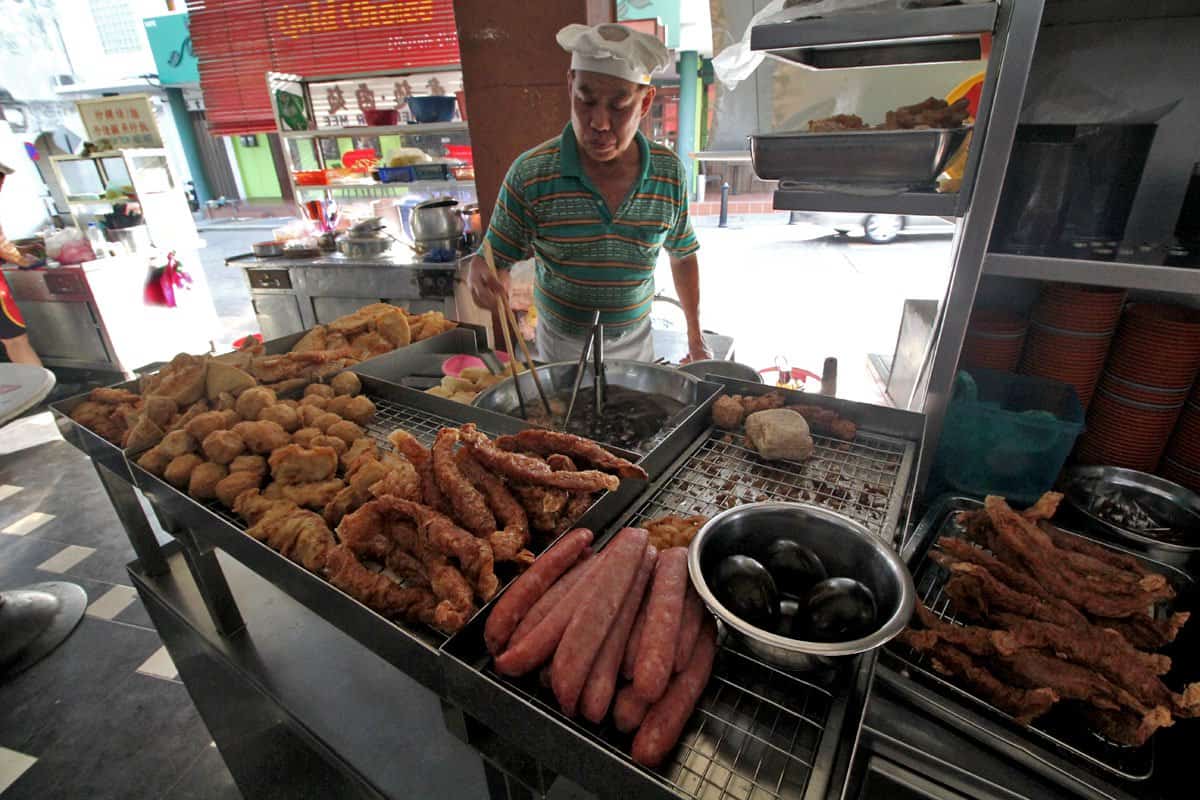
(587, 257)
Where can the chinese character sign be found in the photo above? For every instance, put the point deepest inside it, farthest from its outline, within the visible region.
(120, 122)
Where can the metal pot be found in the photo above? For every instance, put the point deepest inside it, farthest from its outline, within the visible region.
(559, 379)
(846, 548)
(435, 221)
(363, 246)
(267, 249)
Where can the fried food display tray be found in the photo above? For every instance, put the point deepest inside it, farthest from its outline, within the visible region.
(1058, 744)
(412, 648)
(758, 733)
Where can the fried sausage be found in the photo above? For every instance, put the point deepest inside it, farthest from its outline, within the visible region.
(526, 590)
(656, 650)
(689, 627)
(629, 710)
(549, 600)
(660, 730)
(538, 645)
(589, 625)
(602, 682)
(629, 661)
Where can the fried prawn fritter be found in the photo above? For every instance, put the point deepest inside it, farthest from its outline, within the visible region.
(346, 383)
(309, 414)
(304, 436)
(674, 531)
(315, 400)
(248, 463)
(282, 415)
(179, 470)
(325, 421)
(296, 464)
(236, 482)
(728, 412)
(315, 495)
(365, 446)
(203, 424)
(254, 400)
(345, 430)
(318, 389)
(202, 484)
(531, 470)
(223, 446)
(547, 443)
(262, 436)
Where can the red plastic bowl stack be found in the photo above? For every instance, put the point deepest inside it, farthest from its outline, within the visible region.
(1181, 462)
(994, 340)
(1070, 333)
(1146, 380)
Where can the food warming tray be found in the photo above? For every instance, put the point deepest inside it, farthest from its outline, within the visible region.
(900, 159)
(412, 648)
(1055, 746)
(759, 732)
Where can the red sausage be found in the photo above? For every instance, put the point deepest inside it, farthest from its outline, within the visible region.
(551, 598)
(629, 661)
(589, 626)
(538, 645)
(527, 589)
(689, 627)
(656, 651)
(664, 721)
(629, 710)
(602, 682)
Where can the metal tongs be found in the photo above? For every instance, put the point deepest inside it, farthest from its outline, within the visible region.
(594, 340)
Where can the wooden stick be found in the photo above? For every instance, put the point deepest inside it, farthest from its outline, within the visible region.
(537, 381)
(513, 358)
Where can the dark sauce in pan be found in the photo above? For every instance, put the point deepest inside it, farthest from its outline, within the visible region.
(629, 419)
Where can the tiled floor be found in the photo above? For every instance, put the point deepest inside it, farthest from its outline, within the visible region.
(104, 715)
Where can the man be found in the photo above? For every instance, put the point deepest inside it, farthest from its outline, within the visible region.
(12, 325)
(595, 206)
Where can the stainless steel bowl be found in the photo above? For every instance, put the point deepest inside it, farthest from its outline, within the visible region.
(267, 249)
(1168, 502)
(559, 379)
(886, 158)
(846, 548)
(363, 247)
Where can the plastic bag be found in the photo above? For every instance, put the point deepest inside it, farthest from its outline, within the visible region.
(75, 251)
(56, 240)
(163, 281)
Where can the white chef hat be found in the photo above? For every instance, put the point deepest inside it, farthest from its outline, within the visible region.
(614, 50)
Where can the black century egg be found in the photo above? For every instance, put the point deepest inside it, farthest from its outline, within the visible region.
(744, 586)
(840, 610)
(795, 568)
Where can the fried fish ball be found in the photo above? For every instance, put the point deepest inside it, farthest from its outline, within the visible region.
(204, 424)
(346, 383)
(316, 400)
(304, 436)
(204, 480)
(285, 417)
(236, 482)
(180, 469)
(290, 403)
(176, 443)
(155, 461)
(326, 440)
(358, 409)
(248, 463)
(325, 421)
(262, 436)
(319, 389)
(346, 430)
(223, 446)
(254, 400)
(309, 414)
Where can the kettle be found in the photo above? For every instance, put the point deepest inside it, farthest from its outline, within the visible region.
(435, 225)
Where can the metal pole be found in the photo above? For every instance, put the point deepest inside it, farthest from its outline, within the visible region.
(724, 222)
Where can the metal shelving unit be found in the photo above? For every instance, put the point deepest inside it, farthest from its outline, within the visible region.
(1125, 275)
(412, 129)
(917, 203)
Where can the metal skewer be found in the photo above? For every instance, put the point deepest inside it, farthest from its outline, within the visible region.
(579, 368)
(537, 381)
(513, 359)
(598, 371)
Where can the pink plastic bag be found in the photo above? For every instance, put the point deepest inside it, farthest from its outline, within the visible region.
(163, 281)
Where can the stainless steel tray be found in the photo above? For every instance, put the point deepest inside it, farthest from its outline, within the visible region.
(411, 648)
(1055, 746)
(899, 159)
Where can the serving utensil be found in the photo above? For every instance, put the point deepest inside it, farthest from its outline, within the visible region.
(487, 257)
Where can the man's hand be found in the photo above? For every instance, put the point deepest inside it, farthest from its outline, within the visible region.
(697, 348)
(486, 287)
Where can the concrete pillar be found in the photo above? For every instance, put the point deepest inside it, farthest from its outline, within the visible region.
(187, 140)
(689, 83)
(515, 77)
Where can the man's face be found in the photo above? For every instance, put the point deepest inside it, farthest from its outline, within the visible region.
(605, 112)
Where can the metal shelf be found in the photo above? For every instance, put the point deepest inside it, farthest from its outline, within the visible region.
(390, 189)
(379, 130)
(1156, 277)
(877, 38)
(929, 204)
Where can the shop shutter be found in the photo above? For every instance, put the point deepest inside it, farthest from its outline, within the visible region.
(238, 41)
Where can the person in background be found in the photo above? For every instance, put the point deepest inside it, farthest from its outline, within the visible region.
(595, 206)
(12, 325)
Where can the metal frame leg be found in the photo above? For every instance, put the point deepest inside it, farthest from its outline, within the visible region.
(133, 518)
(214, 589)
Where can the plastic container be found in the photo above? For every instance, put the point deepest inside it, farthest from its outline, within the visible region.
(1006, 434)
(414, 172)
(432, 107)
